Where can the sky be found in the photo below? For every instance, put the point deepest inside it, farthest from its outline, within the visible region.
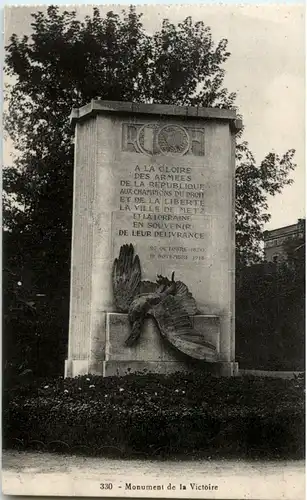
(266, 69)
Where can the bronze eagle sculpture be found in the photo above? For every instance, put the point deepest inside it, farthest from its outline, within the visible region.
(168, 302)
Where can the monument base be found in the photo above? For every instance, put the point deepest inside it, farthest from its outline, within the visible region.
(228, 369)
(79, 367)
(119, 369)
(115, 368)
(151, 352)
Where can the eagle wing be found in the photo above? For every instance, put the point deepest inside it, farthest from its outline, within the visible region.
(185, 298)
(176, 326)
(126, 277)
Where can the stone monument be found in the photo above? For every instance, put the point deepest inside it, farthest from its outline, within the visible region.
(158, 179)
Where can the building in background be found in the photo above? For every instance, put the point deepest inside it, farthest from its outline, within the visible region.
(275, 241)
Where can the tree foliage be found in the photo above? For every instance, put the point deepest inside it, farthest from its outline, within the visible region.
(253, 185)
(67, 62)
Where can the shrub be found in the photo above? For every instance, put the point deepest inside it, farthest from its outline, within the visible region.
(270, 316)
(159, 415)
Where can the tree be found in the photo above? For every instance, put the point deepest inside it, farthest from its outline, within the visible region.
(253, 185)
(35, 329)
(64, 64)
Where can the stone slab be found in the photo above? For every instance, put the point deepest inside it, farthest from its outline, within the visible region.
(209, 326)
(151, 346)
(271, 373)
(99, 106)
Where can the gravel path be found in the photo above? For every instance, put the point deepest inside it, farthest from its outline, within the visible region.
(35, 473)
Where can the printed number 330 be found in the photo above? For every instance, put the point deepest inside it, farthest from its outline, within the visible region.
(106, 486)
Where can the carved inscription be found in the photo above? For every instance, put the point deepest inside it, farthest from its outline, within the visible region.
(164, 206)
(165, 237)
(169, 140)
(162, 188)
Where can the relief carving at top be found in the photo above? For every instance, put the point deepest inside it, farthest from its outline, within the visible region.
(169, 140)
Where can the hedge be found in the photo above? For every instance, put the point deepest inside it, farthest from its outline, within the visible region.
(270, 317)
(157, 415)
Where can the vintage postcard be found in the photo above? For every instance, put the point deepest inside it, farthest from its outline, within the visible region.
(154, 251)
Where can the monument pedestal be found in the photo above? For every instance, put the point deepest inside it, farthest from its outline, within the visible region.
(162, 178)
